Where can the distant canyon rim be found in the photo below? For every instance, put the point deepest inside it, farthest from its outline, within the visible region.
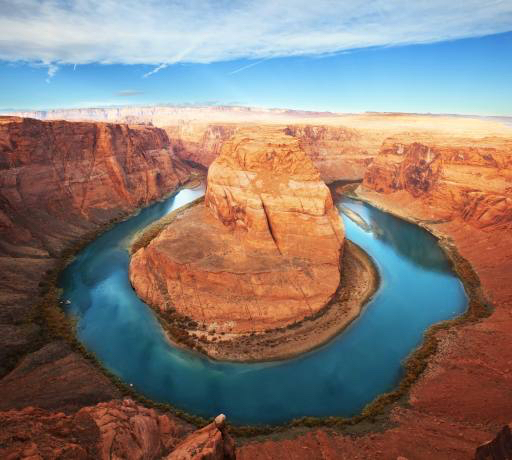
(62, 181)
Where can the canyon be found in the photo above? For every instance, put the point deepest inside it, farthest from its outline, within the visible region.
(60, 182)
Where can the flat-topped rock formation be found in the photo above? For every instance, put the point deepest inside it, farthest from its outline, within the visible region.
(263, 252)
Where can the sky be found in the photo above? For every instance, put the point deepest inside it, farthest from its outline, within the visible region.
(336, 55)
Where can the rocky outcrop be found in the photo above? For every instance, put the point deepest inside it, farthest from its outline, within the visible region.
(263, 252)
(458, 178)
(60, 181)
(75, 176)
(119, 429)
(55, 378)
(339, 153)
(499, 448)
(209, 443)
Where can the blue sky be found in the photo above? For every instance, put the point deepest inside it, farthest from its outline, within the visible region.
(353, 58)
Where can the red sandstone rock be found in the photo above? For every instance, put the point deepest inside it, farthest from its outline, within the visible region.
(209, 443)
(60, 181)
(114, 430)
(55, 378)
(199, 144)
(453, 178)
(339, 153)
(264, 252)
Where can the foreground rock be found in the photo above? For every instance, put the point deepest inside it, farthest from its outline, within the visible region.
(114, 430)
(209, 443)
(262, 253)
(499, 448)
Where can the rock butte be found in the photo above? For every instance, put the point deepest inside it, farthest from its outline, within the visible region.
(262, 252)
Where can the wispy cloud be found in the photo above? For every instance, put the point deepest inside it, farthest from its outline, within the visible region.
(129, 93)
(161, 33)
(52, 70)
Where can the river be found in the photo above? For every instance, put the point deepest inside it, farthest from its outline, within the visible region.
(418, 289)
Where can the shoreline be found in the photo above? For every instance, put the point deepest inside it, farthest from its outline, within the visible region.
(360, 281)
(374, 415)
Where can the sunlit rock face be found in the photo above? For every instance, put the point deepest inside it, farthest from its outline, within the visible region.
(450, 178)
(262, 252)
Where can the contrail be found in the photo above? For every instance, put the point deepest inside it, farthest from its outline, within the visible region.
(155, 70)
(248, 66)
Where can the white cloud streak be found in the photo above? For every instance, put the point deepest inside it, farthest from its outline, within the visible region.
(165, 32)
(155, 70)
(248, 66)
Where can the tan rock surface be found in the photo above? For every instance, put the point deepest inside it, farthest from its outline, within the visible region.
(262, 253)
(448, 178)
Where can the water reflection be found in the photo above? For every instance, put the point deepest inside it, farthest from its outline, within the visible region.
(400, 235)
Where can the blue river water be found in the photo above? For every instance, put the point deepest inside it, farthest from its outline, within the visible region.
(417, 290)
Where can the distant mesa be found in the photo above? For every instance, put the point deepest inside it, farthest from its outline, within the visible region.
(262, 252)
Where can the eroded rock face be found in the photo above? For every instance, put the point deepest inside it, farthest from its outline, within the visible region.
(55, 378)
(339, 153)
(263, 252)
(499, 448)
(199, 144)
(452, 178)
(209, 443)
(118, 429)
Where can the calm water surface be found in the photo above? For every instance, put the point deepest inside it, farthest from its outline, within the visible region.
(417, 289)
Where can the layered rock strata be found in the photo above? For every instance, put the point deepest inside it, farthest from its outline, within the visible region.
(263, 252)
(339, 152)
(449, 178)
(61, 181)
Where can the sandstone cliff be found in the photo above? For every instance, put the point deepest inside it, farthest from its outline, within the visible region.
(199, 144)
(339, 153)
(263, 253)
(58, 182)
(451, 178)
